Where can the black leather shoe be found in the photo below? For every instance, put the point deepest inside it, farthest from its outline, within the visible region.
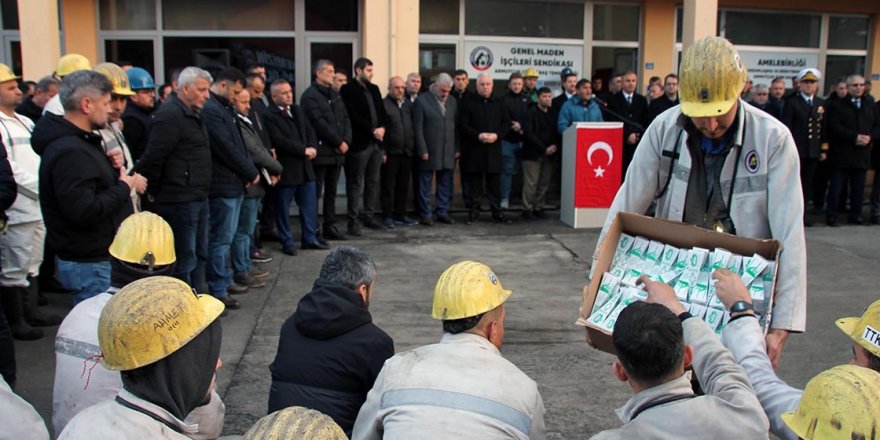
(856, 221)
(445, 219)
(541, 215)
(315, 245)
(289, 250)
(426, 221)
(831, 221)
(333, 233)
(502, 219)
(354, 228)
(373, 224)
(230, 303)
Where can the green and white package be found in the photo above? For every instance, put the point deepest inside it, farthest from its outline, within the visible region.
(639, 247)
(607, 288)
(609, 322)
(635, 269)
(697, 258)
(720, 259)
(599, 316)
(700, 292)
(670, 254)
(682, 289)
(698, 310)
(755, 268)
(714, 318)
(735, 263)
(681, 262)
(655, 251)
(756, 291)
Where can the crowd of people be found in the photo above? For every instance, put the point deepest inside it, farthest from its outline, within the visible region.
(139, 206)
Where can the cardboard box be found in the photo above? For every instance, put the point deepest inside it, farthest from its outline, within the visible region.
(677, 234)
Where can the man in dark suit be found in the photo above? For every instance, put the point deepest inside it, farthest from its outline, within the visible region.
(569, 89)
(399, 147)
(853, 127)
(776, 102)
(483, 122)
(363, 101)
(633, 108)
(803, 114)
(295, 144)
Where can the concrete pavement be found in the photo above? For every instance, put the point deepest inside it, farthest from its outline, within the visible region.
(545, 264)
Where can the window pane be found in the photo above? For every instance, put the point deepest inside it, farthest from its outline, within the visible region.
(848, 33)
(524, 19)
(216, 54)
(10, 14)
(127, 14)
(838, 67)
(341, 54)
(610, 60)
(616, 23)
(337, 15)
(767, 29)
(434, 59)
(438, 16)
(228, 15)
(679, 23)
(15, 62)
(138, 53)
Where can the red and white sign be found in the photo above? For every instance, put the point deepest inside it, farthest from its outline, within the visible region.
(598, 167)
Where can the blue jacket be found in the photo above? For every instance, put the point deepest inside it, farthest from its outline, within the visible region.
(574, 110)
(231, 165)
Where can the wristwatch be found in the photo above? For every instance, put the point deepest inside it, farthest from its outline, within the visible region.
(741, 306)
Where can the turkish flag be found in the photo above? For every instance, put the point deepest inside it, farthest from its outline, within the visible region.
(599, 167)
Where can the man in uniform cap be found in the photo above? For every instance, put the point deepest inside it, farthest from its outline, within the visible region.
(803, 113)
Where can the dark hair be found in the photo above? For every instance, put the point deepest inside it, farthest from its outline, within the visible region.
(46, 82)
(873, 360)
(615, 75)
(630, 72)
(583, 81)
(456, 326)
(671, 75)
(515, 75)
(25, 86)
(544, 90)
(653, 79)
(362, 63)
(250, 68)
(348, 266)
(778, 79)
(232, 75)
(251, 77)
(567, 75)
(320, 65)
(341, 71)
(649, 341)
(459, 72)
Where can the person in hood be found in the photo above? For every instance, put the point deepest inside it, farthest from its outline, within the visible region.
(165, 341)
(330, 352)
(84, 192)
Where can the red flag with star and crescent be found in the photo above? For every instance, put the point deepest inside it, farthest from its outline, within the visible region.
(599, 167)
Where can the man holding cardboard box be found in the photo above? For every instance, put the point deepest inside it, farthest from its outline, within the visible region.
(720, 164)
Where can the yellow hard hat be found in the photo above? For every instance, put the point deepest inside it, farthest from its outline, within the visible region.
(865, 330)
(117, 77)
(531, 72)
(6, 74)
(840, 403)
(711, 77)
(295, 422)
(71, 63)
(144, 239)
(151, 318)
(467, 289)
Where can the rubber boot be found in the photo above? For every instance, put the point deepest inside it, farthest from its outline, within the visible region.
(32, 313)
(13, 306)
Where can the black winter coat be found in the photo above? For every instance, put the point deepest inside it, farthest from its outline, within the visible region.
(177, 159)
(135, 128)
(481, 115)
(806, 124)
(290, 137)
(327, 114)
(658, 106)
(845, 122)
(82, 199)
(29, 109)
(8, 188)
(329, 355)
(636, 112)
(540, 133)
(399, 132)
(516, 105)
(358, 109)
(231, 165)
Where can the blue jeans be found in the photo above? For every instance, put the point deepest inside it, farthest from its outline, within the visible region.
(224, 220)
(307, 201)
(444, 192)
(84, 280)
(509, 165)
(244, 235)
(189, 222)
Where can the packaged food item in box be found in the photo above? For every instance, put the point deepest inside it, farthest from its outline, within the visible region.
(754, 269)
(668, 276)
(735, 263)
(714, 318)
(599, 316)
(697, 258)
(700, 291)
(635, 269)
(655, 251)
(698, 310)
(623, 246)
(607, 288)
(609, 322)
(756, 291)
(682, 289)
(713, 299)
(720, 259)
(681, 261)
(670, 254)
(639, 247)
(631, 294)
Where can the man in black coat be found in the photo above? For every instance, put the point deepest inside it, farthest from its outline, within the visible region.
(540, 150)
(326, 112)
(483, 122)
(363, 101)
(804, 114)
(853, 128)
(137, 117)
(399, 148)
(330, 352)
(32, 106)
(516, 102)
(295, 144)
(84, 193)
(231, 169)
(177, 163)
(569, 89)
(776, 102)
(665, 102)
(633, 111)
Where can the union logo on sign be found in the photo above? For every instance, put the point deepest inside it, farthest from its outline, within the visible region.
(481, 58)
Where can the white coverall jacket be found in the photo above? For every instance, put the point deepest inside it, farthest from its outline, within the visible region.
(729, 409)
(745, 340)
(76, 346)
(767, 199)
(459, 388)
(18, 419)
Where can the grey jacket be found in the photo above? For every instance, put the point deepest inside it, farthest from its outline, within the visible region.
(728, 410)
(259, 154)
(436, 132)
(766, 198)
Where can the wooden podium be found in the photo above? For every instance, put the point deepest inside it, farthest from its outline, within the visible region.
(592, 171)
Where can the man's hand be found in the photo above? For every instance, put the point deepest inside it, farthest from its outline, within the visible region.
(424, 156)
(274, 156)
(662, 293)
(384, 158)
(140, 183)
(311, 153)
(551, 150)
(775, 341)
(117, 159)
(273, 180)
(457, 155)
(729, 288)
(253, 182)
(129, 180)
(516, 126)
(863, 140)
(823, 156)
(343, 148)
(632, 139)
(379, 133)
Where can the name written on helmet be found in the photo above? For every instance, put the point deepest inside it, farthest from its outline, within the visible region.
(169, 320)
(872, 336)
